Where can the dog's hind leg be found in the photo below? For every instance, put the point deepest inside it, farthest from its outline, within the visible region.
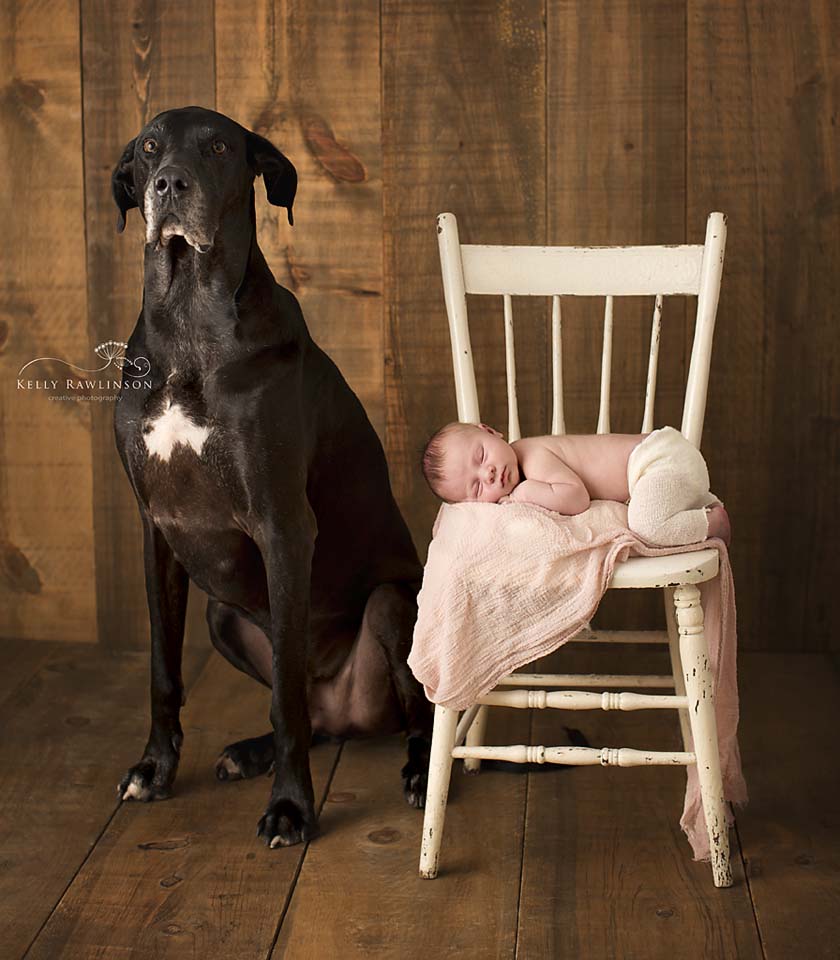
(390, 613)
(244, 645)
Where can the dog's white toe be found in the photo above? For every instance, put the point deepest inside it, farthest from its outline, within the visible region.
(136, 789)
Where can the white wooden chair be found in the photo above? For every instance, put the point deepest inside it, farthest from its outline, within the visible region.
(594, 271)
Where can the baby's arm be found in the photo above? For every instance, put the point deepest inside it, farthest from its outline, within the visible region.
(558, 488)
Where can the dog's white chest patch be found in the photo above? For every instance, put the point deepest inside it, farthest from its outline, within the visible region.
(171, 427)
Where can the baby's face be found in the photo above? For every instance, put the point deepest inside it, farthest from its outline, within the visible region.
(479, 465)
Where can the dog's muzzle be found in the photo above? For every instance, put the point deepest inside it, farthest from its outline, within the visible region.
(175, 208)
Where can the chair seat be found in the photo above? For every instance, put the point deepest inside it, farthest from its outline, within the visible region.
(694, 566)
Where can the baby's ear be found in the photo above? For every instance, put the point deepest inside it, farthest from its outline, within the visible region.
(489, 429)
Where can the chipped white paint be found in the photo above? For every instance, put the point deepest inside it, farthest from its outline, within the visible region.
(586, 679)
(171, 427)
(595, 271)
(582, 271)
(577, 756)
(580, 700)
(699, 688)
(437, 788)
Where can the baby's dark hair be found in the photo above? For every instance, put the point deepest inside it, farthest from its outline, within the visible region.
(432, 461)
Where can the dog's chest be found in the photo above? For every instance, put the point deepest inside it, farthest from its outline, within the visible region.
(179, 458)
(176, 418)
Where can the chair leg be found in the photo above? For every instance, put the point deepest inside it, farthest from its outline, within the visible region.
(694, 654)
(437, 788)
(676, 666)
(475, 738)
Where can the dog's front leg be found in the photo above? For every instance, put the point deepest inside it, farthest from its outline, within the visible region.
(167, 586)
(287, 552)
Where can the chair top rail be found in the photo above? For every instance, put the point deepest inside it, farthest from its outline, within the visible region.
(582, 271)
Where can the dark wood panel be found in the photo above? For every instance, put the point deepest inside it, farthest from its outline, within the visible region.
(46, 532)
(761, 128)
(616, 175)
(463, 131)
(188, 876)
(21, 660)
(307, 78)
(359, 894)
(790, 712)
(603, 846)
(138, 60)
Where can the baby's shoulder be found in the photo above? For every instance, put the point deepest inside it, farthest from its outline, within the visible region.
(529, 448)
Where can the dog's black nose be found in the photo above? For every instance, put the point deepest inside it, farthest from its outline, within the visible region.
(172, 182)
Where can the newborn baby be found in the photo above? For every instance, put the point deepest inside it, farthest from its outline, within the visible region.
(661, 476)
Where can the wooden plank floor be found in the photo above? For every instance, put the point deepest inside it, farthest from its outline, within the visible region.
(583, 862)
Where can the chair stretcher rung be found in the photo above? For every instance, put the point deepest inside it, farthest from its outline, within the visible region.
(620, 636)
(586, 680)
(581, 700)
(577, 756)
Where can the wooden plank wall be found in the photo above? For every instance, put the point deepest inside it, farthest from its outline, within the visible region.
(47, 581)
(535, 122)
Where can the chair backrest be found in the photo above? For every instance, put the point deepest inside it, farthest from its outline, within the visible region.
(687, 269)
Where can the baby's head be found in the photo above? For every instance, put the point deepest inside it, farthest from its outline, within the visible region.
(465, 461)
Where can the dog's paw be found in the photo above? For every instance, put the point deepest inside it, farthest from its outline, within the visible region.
(415, 773)
(148, 780)
(246, 758)
(284, 824)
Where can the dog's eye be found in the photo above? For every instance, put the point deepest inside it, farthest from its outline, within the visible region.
(219, 146)
(149, 145)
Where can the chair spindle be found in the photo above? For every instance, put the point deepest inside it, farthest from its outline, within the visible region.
(558, 422)
(510, 370)
(606, 367)
(653, 362)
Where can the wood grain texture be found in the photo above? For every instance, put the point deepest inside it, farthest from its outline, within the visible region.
(604, 848)
(616, 175)
(551, 123)
(463, 130)
(364, 869)
(788, 832)
(70, 731)
(306, 77)
(764, 98)
(139, 58)
(188, 876)
(47, 588)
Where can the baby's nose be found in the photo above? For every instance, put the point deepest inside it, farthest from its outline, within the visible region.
(489, 473)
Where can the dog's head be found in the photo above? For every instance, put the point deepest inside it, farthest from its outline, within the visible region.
(187, 166)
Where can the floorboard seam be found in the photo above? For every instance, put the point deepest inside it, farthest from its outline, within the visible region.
(302, 857)
(522, 847)
(744, 865)
(72, 880)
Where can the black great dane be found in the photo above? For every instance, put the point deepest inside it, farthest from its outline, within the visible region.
(259, 476)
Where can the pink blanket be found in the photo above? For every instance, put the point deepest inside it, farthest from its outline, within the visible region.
(505, 584)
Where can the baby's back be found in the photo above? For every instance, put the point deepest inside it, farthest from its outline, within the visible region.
(600, 460)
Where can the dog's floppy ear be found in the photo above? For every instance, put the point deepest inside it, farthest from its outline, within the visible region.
(122, 184)
(278, 172)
